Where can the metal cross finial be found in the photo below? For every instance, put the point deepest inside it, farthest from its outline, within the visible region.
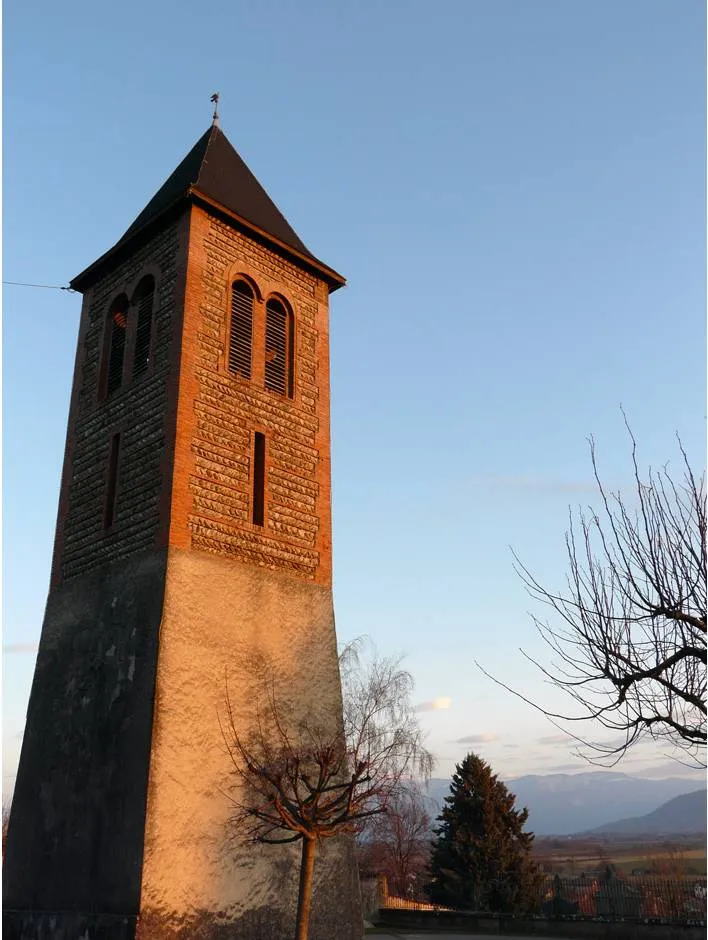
(215, 100)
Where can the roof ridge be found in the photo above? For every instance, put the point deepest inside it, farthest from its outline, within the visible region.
(214, 132)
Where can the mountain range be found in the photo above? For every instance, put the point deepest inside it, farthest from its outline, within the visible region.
(563, 804)
(684, 814)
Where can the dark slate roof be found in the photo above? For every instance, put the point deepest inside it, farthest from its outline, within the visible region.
(213, 169)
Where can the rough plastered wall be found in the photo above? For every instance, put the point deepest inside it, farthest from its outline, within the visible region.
(75, 841)
(222, 622)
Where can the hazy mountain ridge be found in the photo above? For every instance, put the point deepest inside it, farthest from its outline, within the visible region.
(564, 804)
(683, 814)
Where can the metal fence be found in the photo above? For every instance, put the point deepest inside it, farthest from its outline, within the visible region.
(611, 896)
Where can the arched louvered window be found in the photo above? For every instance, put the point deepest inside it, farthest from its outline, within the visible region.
(241, 333)
(144, 300)
(117, 327)
(279, 348)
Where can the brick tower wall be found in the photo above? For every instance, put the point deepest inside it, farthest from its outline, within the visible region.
(243, 604)
(218, 413)
(119, 816)
(139, 410)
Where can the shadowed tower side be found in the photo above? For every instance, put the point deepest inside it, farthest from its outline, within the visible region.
(193, 537)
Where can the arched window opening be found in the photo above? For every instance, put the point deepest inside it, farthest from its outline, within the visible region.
(144, 301)
(116, 345)
(279, 349)
(241, 334)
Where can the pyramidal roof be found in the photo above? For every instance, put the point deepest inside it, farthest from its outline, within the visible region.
(213, 170)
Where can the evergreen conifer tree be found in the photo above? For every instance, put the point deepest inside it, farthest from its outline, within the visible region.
(481, 859)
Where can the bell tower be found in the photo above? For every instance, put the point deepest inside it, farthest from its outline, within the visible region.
(193, 541)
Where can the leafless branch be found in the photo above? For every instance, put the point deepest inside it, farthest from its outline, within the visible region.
(309, 781)
(628, 632)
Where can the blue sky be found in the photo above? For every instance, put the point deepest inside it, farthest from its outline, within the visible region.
(515, 192)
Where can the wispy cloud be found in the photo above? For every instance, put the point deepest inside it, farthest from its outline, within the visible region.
(485, 738)
(668, 769)
(20, 648)
(580, 766)
(433, 706)
(554, 739)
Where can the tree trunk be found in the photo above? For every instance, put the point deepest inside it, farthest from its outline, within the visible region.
(304, 898)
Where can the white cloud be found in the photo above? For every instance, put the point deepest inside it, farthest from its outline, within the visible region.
(20, 648)
(434, 706)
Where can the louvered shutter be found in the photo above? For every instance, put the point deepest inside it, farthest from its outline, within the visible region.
(114, 379)
(241, 336)
(277, 348)
(143, 334)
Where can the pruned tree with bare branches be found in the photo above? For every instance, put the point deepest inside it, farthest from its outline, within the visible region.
(628, 632)
(302, 781)
(398, 841)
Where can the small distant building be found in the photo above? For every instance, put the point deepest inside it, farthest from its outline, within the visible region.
(617, 898)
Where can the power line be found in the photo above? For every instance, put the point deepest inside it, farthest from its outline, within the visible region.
(46, 286)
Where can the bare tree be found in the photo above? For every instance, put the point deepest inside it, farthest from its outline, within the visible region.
(297, 781)
(628, 634)
(399, 840)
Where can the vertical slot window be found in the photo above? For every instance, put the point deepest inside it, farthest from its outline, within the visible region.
(258, 502)
(144, 301)
(109, 510)
(279, 349)
(241, 333)
(116, 345)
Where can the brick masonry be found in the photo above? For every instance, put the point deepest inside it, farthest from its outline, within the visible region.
(139, 411)
(210, 502)
(219, 412)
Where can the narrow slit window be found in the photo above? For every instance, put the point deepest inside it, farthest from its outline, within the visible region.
(258, 505)
(241, 333)
(143, 335)
(279, 349)
(116, 347)
(109, 512)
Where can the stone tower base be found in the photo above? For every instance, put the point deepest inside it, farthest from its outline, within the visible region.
(252, 634)
(192, 874)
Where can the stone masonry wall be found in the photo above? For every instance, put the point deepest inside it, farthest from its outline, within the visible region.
(138, 411)
(220, 412)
